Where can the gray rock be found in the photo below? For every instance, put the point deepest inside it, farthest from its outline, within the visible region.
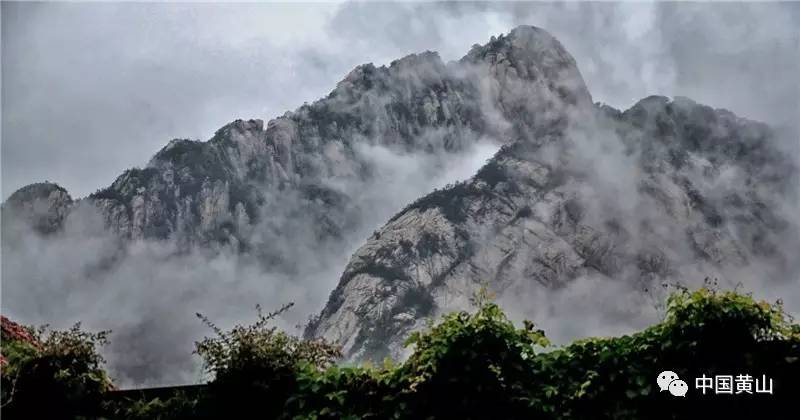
(310, 165)
(658, 193)
(41, 206)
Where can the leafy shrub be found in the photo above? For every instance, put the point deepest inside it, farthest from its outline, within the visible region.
(255, 366)
(479, 365)
(177, 405)
(471, 366)
(53, 375)
(705, 332)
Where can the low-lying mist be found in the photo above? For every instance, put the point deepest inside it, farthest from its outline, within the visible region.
(147, 292)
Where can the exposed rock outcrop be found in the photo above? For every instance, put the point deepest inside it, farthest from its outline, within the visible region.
(667, 190)
(312, 166)
(41, 206)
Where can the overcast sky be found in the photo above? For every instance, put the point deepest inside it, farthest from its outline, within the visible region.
(90, 89)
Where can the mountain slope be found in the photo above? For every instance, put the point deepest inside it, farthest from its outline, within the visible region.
(582, 200)
(251, 185)
(668, 190)
(270, 212)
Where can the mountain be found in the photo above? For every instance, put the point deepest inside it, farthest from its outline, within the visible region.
(250, 187)
(270, 212)
(580, 200)
(666, 191)
(42, 207)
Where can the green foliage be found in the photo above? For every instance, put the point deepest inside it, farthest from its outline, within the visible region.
(447, 200)
(127, 185)
(492, 173)
(57, 374)
(179, 405)
(451, 199)
(471, 366)
(243, 347)
(196, 163)
(480, 365)
(255, 366)
(705, 332)
(419, 299)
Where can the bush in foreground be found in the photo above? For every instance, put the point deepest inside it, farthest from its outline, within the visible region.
(52, 375)
(479, 365)
(256, 367)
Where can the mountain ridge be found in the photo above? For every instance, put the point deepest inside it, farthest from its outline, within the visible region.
(214, 192)
(270, 211)
(430, 257)
(583, 205)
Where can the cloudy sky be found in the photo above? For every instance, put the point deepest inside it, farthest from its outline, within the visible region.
(89, 89)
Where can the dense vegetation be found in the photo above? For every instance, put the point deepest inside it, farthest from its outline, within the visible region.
(52, 374)
(472, 365)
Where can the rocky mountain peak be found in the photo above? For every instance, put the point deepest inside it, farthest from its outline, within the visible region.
(623, 200)
(43, 206)
(422, 65)
(240, 128)
(411, 61)
(36, 191)
(204, 192)
(359, 77)
(532, 54)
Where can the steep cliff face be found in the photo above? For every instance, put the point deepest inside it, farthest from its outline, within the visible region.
(313, 165)
(668, 190)
(270, 212)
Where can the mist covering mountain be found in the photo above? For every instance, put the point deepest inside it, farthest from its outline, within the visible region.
(272, 208)
(584, 206)
(548, 227)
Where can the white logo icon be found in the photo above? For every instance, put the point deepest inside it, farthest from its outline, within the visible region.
(664, 378)
(678, 388)
(669, 381)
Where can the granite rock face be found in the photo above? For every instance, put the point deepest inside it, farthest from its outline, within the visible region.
(42, 206)
(665, 191)
(312, 166)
